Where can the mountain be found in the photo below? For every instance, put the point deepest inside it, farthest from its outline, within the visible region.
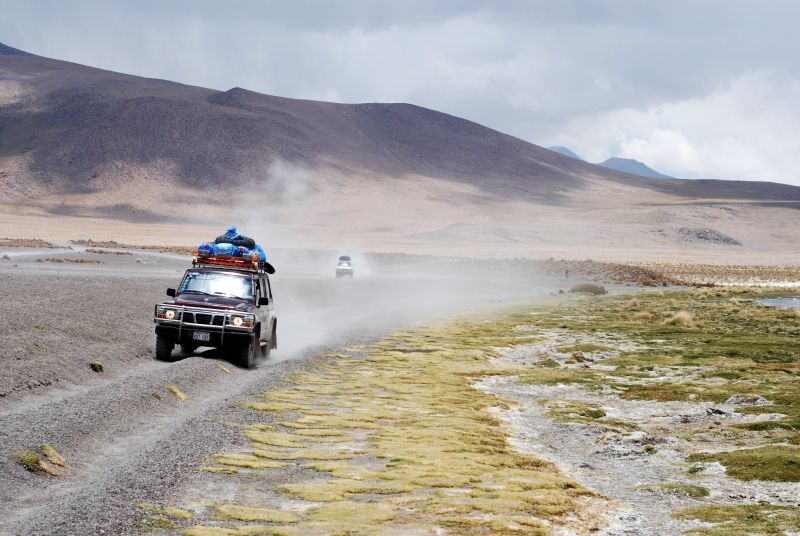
(85, 151)
(6, 50)
(67, 128)
(629, 165)
(566, 151)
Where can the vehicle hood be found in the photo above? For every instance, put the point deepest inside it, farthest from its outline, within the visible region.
(211, 302)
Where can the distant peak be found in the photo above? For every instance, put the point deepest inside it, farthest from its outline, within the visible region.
(629, 165)
(566, 151)
(6, 50)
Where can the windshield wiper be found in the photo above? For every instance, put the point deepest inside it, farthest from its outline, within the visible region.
(230, 296)
(192, 291)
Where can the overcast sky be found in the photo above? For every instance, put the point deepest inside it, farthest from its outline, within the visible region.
(692, 88)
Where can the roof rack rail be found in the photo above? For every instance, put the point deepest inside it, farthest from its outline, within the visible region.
(251, 264)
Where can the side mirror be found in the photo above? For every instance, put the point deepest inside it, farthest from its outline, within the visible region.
(171, 292)
(263, 301)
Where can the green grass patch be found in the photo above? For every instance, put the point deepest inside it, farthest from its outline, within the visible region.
(743, 519)
(775, 463)
(682, 490)
(587, 347)
(573, 411)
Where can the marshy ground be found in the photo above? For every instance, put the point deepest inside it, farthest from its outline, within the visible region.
(663, 413)
(660, 412)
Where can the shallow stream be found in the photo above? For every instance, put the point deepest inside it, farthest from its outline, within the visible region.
(792, 301)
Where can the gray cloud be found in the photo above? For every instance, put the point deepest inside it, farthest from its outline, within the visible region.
(684, 85)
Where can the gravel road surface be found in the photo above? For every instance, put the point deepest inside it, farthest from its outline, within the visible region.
(126, 437)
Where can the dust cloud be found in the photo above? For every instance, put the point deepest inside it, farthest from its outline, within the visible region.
(315, 309)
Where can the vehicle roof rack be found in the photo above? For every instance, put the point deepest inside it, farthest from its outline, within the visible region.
(253, 265)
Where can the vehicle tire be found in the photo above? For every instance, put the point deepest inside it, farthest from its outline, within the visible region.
(164, 348)
(247, 353)
(188, 348)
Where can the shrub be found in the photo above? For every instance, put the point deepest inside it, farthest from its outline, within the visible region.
(681, 318)
(180, 395)
(53, 456)
(588, 288)
(27, 459)
(633, 304)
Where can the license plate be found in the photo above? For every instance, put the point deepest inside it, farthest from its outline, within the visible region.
(201, 336)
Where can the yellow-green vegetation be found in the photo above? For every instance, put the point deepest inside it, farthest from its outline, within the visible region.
(53, 456)
(247, 461)
(681, 318)
(743, 519)
(244, 530)
(223, 368)
(587, 347)
(573, 411)
(705, 345)
(159, 522)
(588, 288)
(402, 443)
(245, 513)
(27, 459)
(96, 366)
(576, 411)
(180, 395)
(683, 490)
(779, 464)
(31, 461)
(171, 512)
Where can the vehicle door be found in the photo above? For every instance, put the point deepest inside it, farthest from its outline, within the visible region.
(262, 312)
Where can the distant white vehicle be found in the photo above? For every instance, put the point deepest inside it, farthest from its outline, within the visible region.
(345, 267)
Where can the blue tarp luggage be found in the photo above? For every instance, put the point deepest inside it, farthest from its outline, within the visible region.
(229, 250)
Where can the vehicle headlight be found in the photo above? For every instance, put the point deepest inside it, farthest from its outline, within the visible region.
(169, 314)
(241, 321)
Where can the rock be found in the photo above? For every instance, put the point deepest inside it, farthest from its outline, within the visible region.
(746, 400)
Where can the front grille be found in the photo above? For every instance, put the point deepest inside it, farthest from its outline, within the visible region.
(204, 318)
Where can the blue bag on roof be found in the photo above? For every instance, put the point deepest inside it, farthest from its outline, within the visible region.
(227, 250)
(205, 249)
(232, 244)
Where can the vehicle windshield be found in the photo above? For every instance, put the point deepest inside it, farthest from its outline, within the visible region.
(217, 284)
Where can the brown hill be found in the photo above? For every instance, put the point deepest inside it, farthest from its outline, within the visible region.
(90, 152)
(68, 128)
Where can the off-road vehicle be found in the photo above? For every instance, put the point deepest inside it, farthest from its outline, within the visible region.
(344, 268)
(222, 303)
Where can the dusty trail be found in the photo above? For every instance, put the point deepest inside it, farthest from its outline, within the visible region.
(126, 437)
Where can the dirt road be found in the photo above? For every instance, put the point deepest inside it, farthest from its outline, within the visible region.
(126, 437)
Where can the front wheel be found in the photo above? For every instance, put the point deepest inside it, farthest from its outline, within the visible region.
(247, 353)
(164, 348)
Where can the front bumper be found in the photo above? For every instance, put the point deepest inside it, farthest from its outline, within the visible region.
(216, 323)
(216, 338)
